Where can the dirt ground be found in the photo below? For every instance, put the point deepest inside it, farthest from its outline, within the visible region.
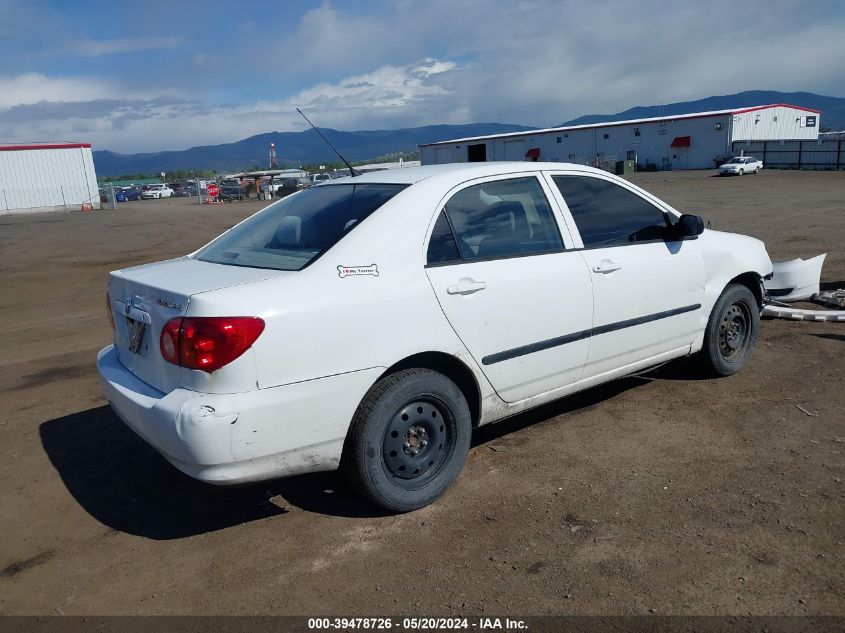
(662, 494)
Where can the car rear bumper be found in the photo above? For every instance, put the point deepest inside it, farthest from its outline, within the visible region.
(241, 437)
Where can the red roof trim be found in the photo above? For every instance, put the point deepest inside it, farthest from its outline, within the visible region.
(777, 105)
(13, 148)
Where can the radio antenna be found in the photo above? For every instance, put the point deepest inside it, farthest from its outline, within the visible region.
(352, 171)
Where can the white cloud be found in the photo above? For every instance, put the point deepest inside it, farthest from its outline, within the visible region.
(385, 96)
(34, 87)
(93, 48)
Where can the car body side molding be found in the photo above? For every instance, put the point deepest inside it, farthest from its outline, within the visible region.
(516, 352)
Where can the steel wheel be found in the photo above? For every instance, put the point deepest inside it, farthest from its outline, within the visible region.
(417, 442)
(408, 440)
(734, 331)
(731, 331)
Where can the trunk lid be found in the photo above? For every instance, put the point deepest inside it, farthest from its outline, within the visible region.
(143, 298)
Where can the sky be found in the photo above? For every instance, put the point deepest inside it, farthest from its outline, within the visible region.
(172, 75)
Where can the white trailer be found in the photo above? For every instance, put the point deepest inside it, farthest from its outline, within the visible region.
(47, 177)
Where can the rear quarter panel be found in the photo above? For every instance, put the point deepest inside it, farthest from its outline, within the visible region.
(319, 323)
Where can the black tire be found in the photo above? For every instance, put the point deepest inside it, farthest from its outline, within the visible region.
(731, 331)
(408, 440)
(741, 172)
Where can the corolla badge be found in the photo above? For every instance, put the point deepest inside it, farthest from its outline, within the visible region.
(348, 271)
(169, 304)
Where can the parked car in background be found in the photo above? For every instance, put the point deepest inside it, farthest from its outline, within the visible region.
(132, 193)
(371, 323)
(105, 192)
(318, 178)
(740, 165)
(156, 191)
(285, 186)
(231, 191)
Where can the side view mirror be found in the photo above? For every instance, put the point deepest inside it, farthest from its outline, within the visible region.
(690, 225)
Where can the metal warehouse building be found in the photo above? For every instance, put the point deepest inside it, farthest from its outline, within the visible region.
(687, 141)
(47, 177)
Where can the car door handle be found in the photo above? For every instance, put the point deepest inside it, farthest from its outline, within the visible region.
(606, 267)
(466, 286)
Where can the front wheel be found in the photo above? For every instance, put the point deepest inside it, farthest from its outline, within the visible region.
(741, 172)
(731, 331)
(408, 440)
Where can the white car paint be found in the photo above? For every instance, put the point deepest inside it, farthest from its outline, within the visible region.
(796, 280)
(157, 191)
(740, 165)
(284, 406)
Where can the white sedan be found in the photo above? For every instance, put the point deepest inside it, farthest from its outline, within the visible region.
(157, 191)
(740, 165)
(370, 323)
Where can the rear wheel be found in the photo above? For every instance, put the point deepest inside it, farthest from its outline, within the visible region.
(408, 440)
(731, 331)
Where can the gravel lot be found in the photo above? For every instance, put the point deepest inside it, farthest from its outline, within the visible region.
(662, 492)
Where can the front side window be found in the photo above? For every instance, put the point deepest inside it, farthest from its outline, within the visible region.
(504, 218)
(609, 215)
(291, 233)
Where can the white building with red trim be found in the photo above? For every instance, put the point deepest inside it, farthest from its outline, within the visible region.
(698, 140)
(47, 177)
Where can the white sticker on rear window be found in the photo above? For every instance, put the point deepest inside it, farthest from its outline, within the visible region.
(348, 271)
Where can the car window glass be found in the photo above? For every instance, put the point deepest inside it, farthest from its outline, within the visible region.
(289, 234)
(607, 214)
(442, 247)
(503, 218)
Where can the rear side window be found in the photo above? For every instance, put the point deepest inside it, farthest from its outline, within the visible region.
(504, 218)
(609, 215)
(291, 233)
(442, 247)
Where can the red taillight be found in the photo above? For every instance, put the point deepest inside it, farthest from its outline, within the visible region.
(109, 311)
(208, 343)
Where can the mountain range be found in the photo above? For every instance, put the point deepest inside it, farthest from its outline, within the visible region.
(294, 148)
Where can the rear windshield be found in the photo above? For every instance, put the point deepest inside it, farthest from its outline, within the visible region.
(291, 233)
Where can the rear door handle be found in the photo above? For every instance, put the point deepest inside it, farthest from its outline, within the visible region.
(606, 267)
(466, 286)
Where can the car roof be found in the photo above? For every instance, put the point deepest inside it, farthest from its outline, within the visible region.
(453, 171)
